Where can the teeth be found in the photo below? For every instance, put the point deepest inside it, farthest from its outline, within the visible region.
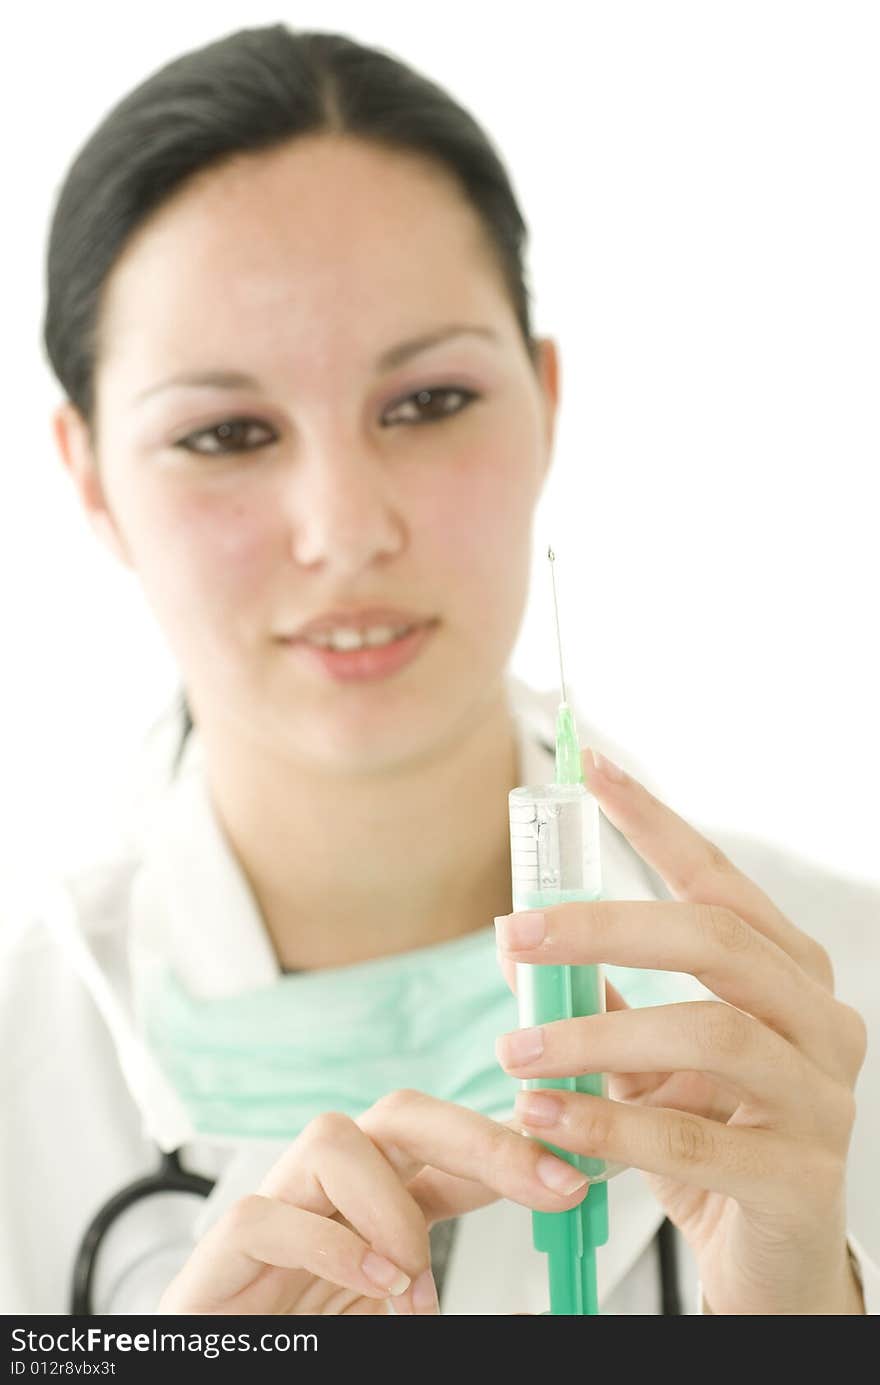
(344, 638)
(383, 634)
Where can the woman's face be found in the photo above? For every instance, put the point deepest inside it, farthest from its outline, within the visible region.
(301, 267)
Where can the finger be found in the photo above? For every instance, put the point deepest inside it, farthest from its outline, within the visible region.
(633, 1085)
(508, 970)
(407, 1131)
(695, 869)
(441, 1195)
(752, 1166)
(736, 962)
(334, 1166)
(613, 999)
(764, 1070)
(474, 1148)
(257, 1231)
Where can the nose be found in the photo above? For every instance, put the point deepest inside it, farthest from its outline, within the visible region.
(342, 511)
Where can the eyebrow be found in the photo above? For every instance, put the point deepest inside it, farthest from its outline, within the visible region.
(394, 356)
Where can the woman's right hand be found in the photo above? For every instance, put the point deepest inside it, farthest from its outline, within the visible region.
(340, 1222)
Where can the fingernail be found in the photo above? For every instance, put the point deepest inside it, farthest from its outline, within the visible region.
(516, 931)
(608, 768)
(424, 1294)
(520, 1046)
(559, 1176)
(537, 1108)
(384, 1274)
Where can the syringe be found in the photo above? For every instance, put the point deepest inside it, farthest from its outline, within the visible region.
(554, 844)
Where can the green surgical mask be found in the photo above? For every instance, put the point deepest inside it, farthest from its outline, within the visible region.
(264, 1062)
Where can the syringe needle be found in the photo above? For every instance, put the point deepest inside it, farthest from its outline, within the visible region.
(569, 768)
(552, 556)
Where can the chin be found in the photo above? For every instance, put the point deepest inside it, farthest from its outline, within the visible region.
(370, 733)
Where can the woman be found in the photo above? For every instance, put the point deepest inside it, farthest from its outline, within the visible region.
(304, 404)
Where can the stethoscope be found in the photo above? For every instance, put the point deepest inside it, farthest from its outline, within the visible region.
(171, 1177)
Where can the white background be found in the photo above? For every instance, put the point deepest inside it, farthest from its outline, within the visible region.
(700, 181)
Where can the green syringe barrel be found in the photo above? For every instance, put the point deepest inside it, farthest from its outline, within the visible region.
(569, 1238)
(554, 837)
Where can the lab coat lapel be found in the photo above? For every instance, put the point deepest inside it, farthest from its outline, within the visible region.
(192, 905)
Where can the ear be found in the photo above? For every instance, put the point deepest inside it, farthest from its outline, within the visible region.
(75, 447)
(548, 380)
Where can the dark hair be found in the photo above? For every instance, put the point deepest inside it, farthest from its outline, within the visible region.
(249, 91)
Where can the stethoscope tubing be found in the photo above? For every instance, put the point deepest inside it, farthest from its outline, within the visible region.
(170, 1177)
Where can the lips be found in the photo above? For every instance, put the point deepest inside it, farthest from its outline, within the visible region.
(361, 619)
(366, 665)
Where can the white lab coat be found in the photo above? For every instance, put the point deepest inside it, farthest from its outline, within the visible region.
(84, 1107)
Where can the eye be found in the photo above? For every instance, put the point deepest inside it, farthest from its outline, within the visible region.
(442, 401)
(235, 434)
(230, 428)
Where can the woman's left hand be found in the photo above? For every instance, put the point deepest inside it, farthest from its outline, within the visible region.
(738, 1109)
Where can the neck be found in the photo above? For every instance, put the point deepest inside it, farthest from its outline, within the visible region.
(421, 859)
